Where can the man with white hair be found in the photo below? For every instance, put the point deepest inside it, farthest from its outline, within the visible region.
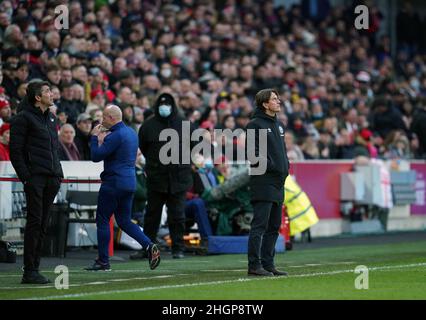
(117, 145)
(68, 151)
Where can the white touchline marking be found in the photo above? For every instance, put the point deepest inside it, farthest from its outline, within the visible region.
(224, 270)
(303, 266)
(112, 271)
(185, 285)
(96, 282)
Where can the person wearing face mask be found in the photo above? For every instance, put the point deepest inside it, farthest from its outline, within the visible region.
(167, 183)
(166, 74)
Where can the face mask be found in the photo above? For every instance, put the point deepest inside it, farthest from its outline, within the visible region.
(166, 73)
(208, 164)
(31, 28)
(165, 110)
(415, 84)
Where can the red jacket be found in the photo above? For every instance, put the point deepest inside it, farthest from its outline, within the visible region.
(4, 152)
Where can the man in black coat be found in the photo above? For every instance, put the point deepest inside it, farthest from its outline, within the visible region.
(166, 183)
(418, 126)
(267, 189)
(82, 135)
(34, 155)
(386, 117)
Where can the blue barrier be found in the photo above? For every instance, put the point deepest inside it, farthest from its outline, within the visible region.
(236, 244)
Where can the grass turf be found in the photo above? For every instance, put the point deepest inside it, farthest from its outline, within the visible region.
(396, 271)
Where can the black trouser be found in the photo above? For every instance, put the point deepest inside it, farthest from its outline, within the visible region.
(175, 203)
(263, 235)
(40, 192)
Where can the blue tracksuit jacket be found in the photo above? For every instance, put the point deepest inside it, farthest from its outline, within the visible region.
(118, 152)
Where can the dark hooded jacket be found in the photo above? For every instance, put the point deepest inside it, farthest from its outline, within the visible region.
(167, 178)
(270, 185)
(418, 126)
(34, 143)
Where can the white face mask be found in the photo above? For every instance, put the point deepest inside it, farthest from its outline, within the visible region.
(165, 110)
(415, 84)
(32, 28)
(166, 73)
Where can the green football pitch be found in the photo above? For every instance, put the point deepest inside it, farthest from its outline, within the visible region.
(395, 271)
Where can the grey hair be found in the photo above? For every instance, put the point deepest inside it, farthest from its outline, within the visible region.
(67, 126)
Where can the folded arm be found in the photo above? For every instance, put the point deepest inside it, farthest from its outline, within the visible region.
(109, 146)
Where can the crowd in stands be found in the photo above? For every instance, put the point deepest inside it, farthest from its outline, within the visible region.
(343, 93)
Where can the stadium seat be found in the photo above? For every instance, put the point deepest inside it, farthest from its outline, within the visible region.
(78, 202)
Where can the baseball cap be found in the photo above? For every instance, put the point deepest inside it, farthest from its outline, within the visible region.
(4, 128)
(95, 93)
(166, 99)
(366, 134)
(83, 117)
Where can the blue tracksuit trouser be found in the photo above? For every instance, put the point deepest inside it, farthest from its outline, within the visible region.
(118, 202)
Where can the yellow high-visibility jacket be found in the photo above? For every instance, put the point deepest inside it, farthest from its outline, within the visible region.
(299, 209)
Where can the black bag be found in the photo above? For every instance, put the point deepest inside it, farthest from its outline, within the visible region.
(241, 223)
(7, 253)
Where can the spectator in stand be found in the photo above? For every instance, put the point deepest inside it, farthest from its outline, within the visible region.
(400, 149)
(53, 74)
(68, 150)
(5, 111)
(96, 115)
(141, 197)
(345, 144)
(326, 146)
(322, 67)
(4, 142)
(418, 126)
(67, 103)
(195, 206)
(386, 117)
(97, 100)
(310, 148)
(364, 145)
(82, 135)
(9, 82)
(294, 153)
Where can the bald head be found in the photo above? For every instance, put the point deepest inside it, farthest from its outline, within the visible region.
(111, 116)
(114, 111)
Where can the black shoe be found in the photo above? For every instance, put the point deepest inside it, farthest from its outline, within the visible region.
(153, 256)
(260, 272)
(276, 272)
(178, 255)
(140, 255)
(99, 266)
(34, 277)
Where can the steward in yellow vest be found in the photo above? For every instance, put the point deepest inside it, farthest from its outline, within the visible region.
(299, 209)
